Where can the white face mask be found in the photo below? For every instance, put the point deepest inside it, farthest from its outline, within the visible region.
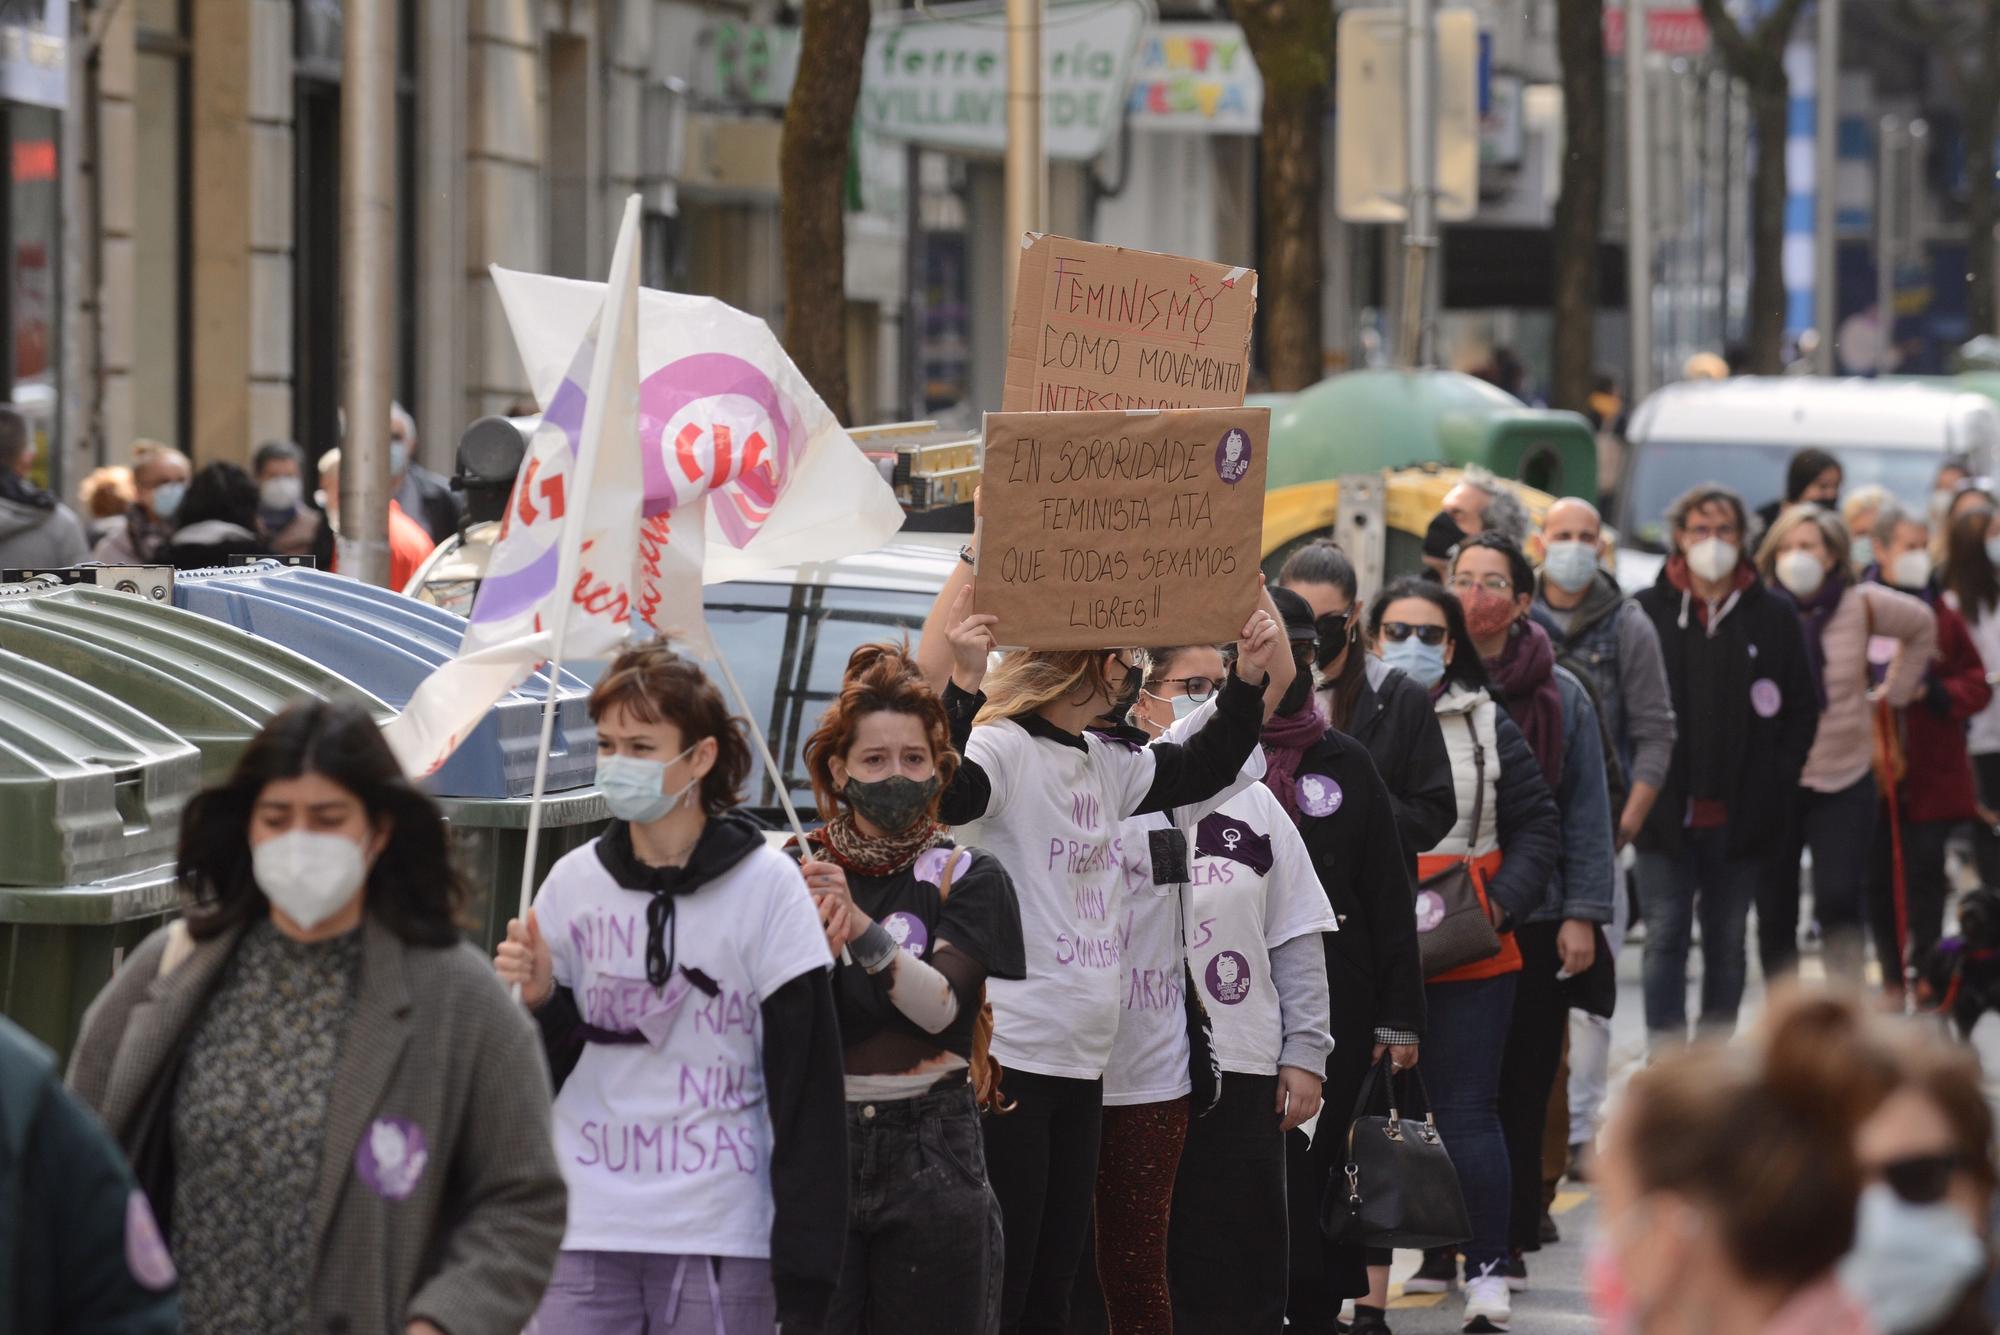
(1910, 1263)
(1801, 572)
(1912, 569)
(1570, 566)
(309, 877)
(1712, 559)
(279, 493)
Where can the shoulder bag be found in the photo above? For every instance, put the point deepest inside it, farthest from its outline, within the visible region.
(1397, 1187)
(1454, 928)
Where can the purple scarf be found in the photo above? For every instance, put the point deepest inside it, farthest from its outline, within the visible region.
(1814, 613)
(1287, 738)
(1524, 682)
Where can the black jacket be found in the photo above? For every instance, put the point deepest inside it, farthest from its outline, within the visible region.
(1759, 641)
(1394, 719)
(804, 1076)
(70, 1229)
(1368, 879)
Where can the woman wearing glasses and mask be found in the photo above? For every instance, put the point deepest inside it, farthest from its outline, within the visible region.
(1051, 797)
(1513, 853)
(1375, 700)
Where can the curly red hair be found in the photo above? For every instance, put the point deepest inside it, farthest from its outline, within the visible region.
(879, 677)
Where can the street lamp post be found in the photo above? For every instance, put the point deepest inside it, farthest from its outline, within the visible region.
(1027, 156)
(1420, 127)
(1638, 205)
(367, 281)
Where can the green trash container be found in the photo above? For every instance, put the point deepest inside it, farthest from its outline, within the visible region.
(89, 786)
(59, 945)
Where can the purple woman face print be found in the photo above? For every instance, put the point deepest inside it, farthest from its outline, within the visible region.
(1228, 978)
(392, 1156)
(1318, 795)
(1232, 455)
(1430, 910)
(908, 931)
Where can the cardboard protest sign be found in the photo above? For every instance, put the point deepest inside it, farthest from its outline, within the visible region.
(1103, 530)
(1106, 329)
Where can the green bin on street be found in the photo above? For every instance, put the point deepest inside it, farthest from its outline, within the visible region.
(59, 945)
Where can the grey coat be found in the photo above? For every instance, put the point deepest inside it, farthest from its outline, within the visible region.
(434, 1040)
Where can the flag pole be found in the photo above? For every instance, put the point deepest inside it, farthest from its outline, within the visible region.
(590, 441)
(777, 775)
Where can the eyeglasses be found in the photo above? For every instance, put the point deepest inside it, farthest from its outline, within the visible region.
(1197, 689)
(1398, 631)
(1921, 1179)
(1491, 583)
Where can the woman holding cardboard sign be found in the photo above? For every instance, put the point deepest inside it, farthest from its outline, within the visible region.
(1051, 798)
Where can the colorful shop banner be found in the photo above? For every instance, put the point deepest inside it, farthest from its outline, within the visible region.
(1196, 77)
(942, 81)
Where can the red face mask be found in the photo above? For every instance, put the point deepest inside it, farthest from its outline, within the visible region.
(1486, 613)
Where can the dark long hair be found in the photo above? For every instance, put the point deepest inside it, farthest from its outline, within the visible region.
(1324, 562)
(1466, 667)
(1968, 571)
(221, 490)
(412, 889)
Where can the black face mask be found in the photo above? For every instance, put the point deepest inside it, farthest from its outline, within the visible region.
(1298, 696)
(1332, 629)
(891, 805)
(1443, 535)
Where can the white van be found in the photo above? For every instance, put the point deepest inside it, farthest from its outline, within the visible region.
(1742, 432)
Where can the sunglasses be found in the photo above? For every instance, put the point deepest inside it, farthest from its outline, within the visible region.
(1197, 689)
(1921, 1179)
(1398, 631)
(1332, 628)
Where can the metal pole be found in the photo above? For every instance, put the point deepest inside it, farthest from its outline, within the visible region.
(1420, 157)
(1826, 149)
(1888, 145)
(367, 279)
(1027, 159)
(1638, 205)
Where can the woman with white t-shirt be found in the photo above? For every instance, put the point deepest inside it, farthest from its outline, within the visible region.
(1254, 914)
(679, 973)
(1054, 798)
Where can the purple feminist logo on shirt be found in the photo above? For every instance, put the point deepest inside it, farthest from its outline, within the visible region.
(1765, 697)
(1430, 910)
(908, 931)
(1228, 977)
(930, 864)
(1319, 795)
(1232, 455)
(392, 1156)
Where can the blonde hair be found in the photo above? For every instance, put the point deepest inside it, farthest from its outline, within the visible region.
(1028, 679)
(107, 491)
(1831, 531)
(1867, 500)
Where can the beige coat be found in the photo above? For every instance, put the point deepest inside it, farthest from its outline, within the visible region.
(1844, 746)
(434, 1040)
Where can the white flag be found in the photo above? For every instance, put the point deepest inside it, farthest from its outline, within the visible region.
(560, 580)
(744, 467)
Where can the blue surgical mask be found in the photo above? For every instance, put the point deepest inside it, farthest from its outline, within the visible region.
(167, 498)
(1422, 663)
(1864, 552)
(635, 789)
(1570, 566)
(1185, 705)
(399, 458)
(1910, 1263)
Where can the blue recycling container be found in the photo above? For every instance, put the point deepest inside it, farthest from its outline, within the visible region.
(387, 644)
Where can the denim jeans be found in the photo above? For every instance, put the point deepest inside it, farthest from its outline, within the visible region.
(1465, 1036)
(1839, 828)
(923, 1232)
(1703, 880)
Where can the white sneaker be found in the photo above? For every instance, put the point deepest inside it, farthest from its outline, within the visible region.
(1488, 1305)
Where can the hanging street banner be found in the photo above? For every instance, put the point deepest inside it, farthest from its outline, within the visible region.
(942, 82)
(1112, 528)
(1197, 78)
(1102, 328)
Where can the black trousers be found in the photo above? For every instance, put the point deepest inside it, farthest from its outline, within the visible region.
(1778, 894)
(1226, 1247)
(1924, 880)
(1985, 843)
(924, 1247)
(1042, 1159)
(1528, 1073)
(1324, 1275)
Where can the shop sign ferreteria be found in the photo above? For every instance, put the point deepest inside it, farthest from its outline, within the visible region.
(942, 82)
(1196, 77)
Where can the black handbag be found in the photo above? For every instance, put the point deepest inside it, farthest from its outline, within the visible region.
(1453, 926)
(1204, 1068)
(1397, 1187)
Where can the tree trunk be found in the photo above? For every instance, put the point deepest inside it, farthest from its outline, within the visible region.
(1292, 42)
(1980, 209)
(1769, 99)
(1580, 208)
(813, 175)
